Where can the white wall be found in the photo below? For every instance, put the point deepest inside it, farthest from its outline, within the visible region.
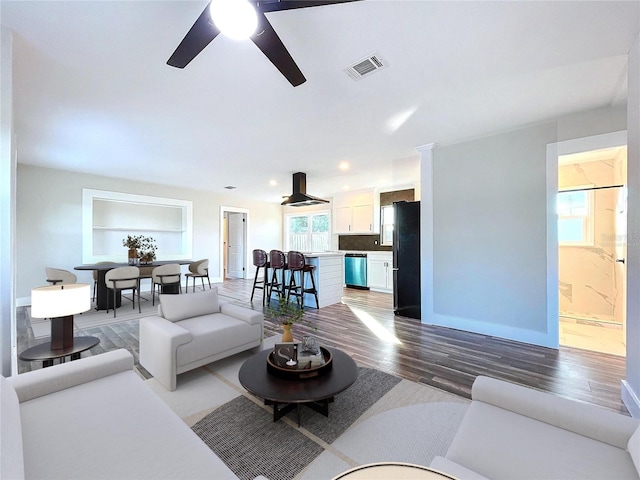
(49, 221)
(484, 241)
(631, 386)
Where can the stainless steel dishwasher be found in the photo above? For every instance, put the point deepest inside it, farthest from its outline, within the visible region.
(355, 270)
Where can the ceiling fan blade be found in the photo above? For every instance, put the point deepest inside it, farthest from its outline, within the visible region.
(268, 41)
(199, 36)
(278, 5)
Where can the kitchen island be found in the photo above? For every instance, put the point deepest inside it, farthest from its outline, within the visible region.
(329, 277)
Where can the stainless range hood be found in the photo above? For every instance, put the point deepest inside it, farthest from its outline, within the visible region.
(299, 197)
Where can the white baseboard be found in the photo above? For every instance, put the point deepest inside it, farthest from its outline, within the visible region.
(630, 399)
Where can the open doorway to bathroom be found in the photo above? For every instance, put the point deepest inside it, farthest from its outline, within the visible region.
(592, 217)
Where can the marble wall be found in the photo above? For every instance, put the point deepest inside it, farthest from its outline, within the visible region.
(591, 283)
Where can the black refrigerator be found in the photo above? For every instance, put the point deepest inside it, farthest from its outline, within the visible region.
(406, 259)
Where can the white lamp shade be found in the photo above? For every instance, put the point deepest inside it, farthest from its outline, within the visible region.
(60, 300)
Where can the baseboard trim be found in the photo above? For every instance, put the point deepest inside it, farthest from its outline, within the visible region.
(630, 399)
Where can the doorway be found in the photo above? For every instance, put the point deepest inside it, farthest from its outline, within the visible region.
(233, 242)
(591, 215)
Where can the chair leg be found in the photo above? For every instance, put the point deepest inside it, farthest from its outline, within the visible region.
(153, 293)
(255, 281)
(265, 279)
(202, 278)
(315, 290)
(208, 280)
(139, 303)
(114, 303)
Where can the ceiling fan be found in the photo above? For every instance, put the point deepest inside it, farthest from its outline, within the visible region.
(204, 30)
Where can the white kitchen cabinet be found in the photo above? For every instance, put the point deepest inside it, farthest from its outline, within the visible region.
(380, 271)
(342, 219)
(353, 213)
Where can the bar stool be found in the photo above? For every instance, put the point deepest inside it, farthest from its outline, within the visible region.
(278, 264)
(297, 289)
(296, 264)
(310, 270)
(260, 261)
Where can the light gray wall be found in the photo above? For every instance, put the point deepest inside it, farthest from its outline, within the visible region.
(631, 387)
(49, 221)
(7, 203)
(486, 237)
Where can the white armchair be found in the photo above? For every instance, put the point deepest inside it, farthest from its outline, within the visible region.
(194, 330)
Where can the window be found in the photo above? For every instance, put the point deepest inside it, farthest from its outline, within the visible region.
(386, 222)
(308, 233)
(575, 217)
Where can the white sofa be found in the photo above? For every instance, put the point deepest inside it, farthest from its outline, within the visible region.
(192, 330)
(95, 418)
(513, 432)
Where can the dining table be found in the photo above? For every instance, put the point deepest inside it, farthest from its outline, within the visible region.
(104, 300)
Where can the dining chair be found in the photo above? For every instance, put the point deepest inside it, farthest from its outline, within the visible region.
(163, 276)
(146, 271)
(199, 269)
(95, 279)
(57, 276)
(123, 278)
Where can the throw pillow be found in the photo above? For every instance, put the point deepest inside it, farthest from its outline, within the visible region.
(179, 307)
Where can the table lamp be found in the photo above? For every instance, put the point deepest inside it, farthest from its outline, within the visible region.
(60, 303)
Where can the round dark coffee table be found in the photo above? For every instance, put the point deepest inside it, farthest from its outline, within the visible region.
(285, 395)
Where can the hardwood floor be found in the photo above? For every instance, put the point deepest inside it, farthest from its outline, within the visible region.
(364, 326)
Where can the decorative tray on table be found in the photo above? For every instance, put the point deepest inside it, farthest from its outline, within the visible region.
(298, 366)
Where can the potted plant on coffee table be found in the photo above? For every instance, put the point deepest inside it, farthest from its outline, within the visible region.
(286, 314)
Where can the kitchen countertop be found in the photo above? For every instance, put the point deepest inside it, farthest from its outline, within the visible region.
(323, 254)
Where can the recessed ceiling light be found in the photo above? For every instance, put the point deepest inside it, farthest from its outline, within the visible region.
(345, 187)
(273, 183)
(344, 166)
(230, 187)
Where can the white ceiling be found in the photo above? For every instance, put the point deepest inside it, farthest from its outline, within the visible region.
(93, 92)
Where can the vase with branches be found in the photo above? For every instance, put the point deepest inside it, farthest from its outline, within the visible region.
(140, 247)
(148, 250)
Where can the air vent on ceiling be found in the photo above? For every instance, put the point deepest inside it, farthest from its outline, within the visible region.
(365, 66)
(230, 187)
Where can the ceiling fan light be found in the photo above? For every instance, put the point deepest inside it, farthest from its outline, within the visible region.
(236, 19)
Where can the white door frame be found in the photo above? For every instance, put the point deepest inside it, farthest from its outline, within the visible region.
(224, 210)
(554, 150)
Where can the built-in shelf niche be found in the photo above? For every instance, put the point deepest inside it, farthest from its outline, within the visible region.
(108, 217)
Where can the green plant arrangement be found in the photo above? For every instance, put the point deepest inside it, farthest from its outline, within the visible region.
(148, 250)
(287, 314)
(145, 247)
(133, 242)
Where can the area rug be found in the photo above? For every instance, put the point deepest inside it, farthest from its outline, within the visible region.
(244, 435)
(381, 417)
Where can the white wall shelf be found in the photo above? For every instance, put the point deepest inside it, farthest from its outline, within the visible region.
(108, 217)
